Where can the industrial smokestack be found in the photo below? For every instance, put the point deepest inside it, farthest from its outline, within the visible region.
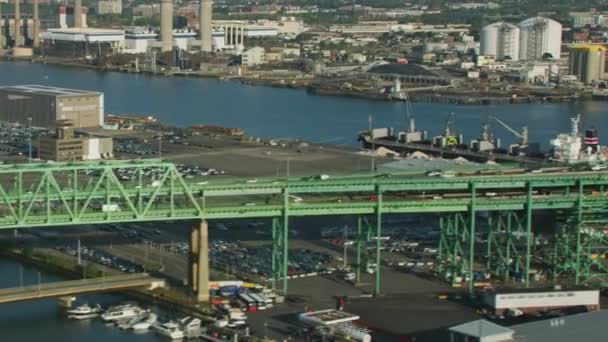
(17, 28)
(1, 29)
(78, 13)
(205, 29)
(36, 29)
(166, 25)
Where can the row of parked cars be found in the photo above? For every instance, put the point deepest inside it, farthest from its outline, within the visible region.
(101, 257)
(258, 260)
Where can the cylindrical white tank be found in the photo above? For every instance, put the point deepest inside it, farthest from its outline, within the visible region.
(539, 36)
(501, 40)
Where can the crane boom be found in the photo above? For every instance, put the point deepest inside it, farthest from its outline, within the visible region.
(523, 135)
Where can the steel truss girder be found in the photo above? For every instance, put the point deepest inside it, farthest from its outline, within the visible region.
(581, 244)
(453, 252)
(506, 244)
(280, 247)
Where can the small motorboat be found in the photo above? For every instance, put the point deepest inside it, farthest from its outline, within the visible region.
(85, 312)
(146, 323)
(121, 312)
(169, 329)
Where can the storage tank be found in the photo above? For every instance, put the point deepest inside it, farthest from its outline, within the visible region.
(501, 40)
(538, 36)
(587, 62)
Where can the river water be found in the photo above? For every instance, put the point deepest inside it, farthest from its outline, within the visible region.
(275, 112)
(263, 112)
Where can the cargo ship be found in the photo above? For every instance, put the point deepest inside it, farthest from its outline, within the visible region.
(567, 148)
(219, 130)
(128, 119)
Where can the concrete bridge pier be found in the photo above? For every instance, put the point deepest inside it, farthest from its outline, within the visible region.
(199, 261)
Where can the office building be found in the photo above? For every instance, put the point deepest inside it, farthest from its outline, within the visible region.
(64, 146)
(254, 56)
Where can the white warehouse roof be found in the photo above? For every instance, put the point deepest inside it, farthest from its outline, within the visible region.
(89, 35)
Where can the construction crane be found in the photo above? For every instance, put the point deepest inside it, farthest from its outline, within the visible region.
(523, 135)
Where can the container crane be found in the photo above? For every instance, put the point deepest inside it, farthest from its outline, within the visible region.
(523, 146)
(523, 135)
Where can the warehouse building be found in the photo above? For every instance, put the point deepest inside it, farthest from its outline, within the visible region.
(46, 105)
(584, 327)
(538, 300)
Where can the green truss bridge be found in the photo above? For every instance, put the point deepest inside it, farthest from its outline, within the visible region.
(486, 221)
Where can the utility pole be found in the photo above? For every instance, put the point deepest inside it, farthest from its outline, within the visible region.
(29, 120)
(160, 145)
(373, 166)
(344, 243)
(79, 257)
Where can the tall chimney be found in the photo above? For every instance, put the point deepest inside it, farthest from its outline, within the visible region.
(78, 13)
(17, 28)
(205, 29)
(1, 29)
(36, 28)
(166, 25)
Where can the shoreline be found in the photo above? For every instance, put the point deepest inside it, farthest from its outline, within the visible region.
(310, 86)
(146, 296)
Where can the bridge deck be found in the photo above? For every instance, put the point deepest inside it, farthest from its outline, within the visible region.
(75, 287)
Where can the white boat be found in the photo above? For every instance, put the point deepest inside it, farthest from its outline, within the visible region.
(119, 312)
(128, 323)
(169, 329)
(84, 312)
(146, 323)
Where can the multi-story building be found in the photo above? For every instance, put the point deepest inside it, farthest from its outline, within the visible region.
(109, 7)
(500, 40)
(581, 19)
(46, 105)
(254, 56)
(538, 37)
(64, 146)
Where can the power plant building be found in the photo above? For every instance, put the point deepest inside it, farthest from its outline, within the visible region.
(47, 105)
(588, 62)
(539, 36)
(83, 42)
(500, 40)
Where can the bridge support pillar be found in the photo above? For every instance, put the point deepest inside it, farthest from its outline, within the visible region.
(199, 261)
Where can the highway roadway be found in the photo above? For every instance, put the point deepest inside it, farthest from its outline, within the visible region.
(75, 287)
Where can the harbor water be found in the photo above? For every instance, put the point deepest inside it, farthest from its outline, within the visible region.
(261, 112)
(282, 113)
(44, 320)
